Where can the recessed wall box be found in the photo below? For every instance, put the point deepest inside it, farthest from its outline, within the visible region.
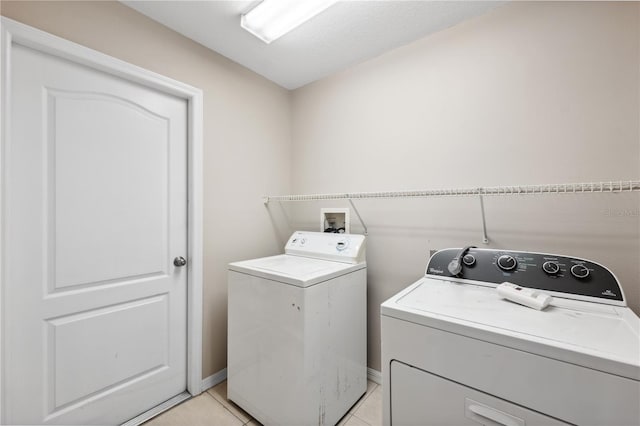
(335, 220)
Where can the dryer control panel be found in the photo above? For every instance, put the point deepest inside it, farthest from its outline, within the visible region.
(562, 276)
(346, 248)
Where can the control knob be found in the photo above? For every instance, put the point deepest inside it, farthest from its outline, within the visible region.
(469, 260)
(580, 271)
(506, 262)
(551, 268)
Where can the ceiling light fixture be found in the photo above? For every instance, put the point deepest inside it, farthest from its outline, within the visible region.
(272, 19)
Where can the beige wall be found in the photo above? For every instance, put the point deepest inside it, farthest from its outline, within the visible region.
(529, 93)
(246, 135)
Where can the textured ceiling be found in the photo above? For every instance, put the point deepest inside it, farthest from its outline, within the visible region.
(345, 34)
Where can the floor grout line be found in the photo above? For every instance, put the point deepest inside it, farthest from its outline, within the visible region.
(359, 404)
(242, 422)
(229, 405)
(360, 418)
(345, 418)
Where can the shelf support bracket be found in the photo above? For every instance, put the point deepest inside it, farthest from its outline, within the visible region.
(355, 210)
(485, 239)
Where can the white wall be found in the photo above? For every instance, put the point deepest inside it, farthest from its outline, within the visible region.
(246, 136)
(540, 92)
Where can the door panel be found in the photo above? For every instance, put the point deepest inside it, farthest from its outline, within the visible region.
(95, 211)
(146, 348)
(129, 211)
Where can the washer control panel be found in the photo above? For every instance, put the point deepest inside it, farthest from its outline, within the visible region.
(564, 276)
(346, 248)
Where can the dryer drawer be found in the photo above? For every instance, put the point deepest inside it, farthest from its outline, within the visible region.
(420, 398)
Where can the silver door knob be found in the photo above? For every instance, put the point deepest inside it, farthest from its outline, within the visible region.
(179, 261)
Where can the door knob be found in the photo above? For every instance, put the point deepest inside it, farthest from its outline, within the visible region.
(179, 261)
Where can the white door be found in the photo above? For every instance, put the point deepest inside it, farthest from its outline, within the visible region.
(95, 189)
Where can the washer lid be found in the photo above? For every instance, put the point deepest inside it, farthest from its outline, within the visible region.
(601, 337)
(295, 270)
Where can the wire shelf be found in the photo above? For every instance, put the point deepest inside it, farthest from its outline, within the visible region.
(612, 187)
(558, 188)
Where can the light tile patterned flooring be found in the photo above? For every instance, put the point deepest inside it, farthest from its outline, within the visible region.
(212, 408)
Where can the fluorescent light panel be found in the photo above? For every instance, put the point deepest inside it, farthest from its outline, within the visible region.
(272, 19)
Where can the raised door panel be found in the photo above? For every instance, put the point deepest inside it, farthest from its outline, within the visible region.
(109, 177)
(123, 353)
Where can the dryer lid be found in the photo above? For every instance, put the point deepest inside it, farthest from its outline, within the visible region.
(601, 337)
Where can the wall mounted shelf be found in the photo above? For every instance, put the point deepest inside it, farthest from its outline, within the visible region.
(611, 187)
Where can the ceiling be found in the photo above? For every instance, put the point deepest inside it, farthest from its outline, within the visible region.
(345, 34)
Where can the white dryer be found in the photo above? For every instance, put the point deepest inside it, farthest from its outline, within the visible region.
(455, 353)
(297, 346)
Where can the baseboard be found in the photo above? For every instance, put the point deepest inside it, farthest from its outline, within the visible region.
(374, 375)
(209, 382)
(214, 379)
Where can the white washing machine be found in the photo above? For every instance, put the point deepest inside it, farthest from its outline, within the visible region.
(297, 345)
(455, 353)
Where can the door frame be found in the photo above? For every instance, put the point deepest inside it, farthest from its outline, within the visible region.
(12, 33)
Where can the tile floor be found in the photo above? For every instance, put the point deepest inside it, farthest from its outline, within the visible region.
(212, 408)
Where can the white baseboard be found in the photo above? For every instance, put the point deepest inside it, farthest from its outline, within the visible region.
(214, 379)
(209, 382)
(374, 375)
